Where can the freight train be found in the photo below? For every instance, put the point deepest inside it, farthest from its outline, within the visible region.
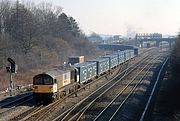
(58, 82)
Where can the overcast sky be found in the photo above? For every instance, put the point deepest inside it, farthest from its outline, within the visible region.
(120, 16)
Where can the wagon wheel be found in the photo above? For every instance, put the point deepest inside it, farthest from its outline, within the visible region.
(64, 93)
(58, 96)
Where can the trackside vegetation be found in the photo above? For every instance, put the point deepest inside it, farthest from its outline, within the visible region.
(167, 106)
(38, 36)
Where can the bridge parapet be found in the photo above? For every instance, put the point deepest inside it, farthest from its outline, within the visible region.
(148, 36)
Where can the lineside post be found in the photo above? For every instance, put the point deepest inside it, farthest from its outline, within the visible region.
(11, 69)
(11, 85)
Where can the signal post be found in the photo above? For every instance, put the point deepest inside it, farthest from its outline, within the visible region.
(11, 69)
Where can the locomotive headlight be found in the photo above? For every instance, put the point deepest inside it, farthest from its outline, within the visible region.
(34, 87)
(51, 88)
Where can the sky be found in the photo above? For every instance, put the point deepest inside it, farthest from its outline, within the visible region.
(123, 16)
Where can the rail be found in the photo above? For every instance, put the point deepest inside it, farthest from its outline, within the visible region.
(153, 90)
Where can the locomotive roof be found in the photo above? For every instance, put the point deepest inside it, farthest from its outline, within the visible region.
(56, 72)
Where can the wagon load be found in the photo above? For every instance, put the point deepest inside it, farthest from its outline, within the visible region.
(85, 71)
(102, 65)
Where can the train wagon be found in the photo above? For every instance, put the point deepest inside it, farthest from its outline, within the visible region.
(102, 65)
(127, 54)
(76, 59)
(52, 84)
(131, 53)
(85, 71)
(148, 45)
(113, 60)
(121, 57)
(136, 51)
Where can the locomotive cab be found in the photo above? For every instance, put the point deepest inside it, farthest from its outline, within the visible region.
(44, 87)
(52, 85)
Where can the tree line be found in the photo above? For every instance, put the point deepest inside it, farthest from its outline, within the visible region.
(175, 67)
(171, 97)
(39, 34)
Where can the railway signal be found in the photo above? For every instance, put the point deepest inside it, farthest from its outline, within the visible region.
(11, 69)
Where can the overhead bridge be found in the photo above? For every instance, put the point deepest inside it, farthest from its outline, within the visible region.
(153, 37)
(159, 40)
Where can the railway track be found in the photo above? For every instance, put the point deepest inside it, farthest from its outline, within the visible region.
(42, 117)
(65, 112)
(22, 116)
(134, 106)
(143, 116)
(79, 109)
(39, 112)
(119, 101)
(36, 114)
(15, 106)
(9, 102)
(6, 110)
